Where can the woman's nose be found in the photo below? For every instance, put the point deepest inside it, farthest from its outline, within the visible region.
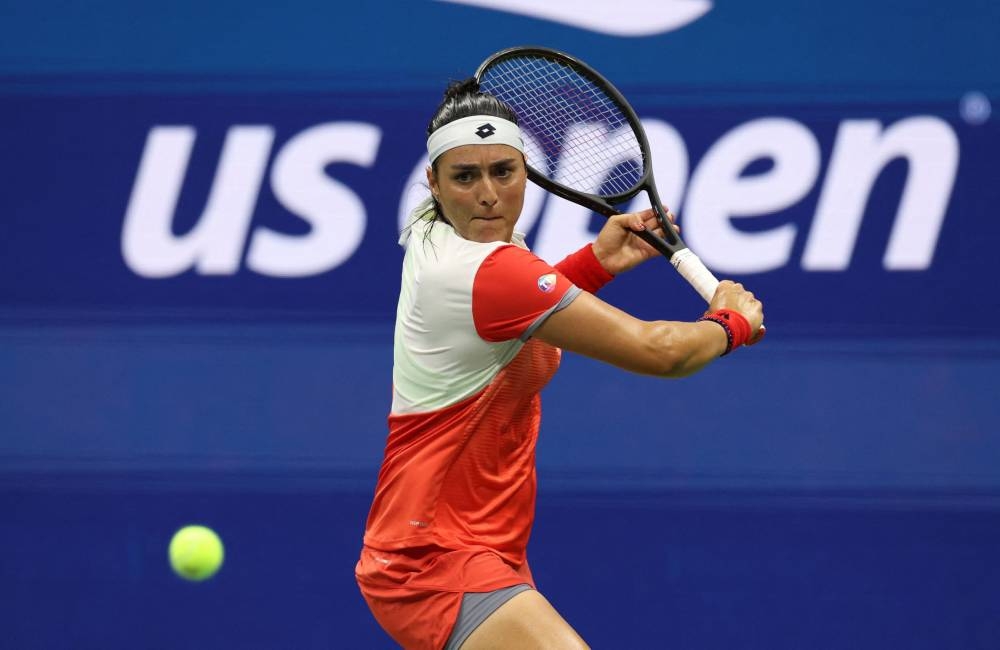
(487, 193)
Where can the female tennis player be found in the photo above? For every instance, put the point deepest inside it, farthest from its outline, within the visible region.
(480, 325)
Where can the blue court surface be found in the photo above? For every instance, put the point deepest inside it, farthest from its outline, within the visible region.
(84, 566)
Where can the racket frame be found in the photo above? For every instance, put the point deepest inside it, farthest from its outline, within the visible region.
(671, 246)
(671, 243)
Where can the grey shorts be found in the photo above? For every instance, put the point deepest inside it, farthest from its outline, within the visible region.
(476, 608)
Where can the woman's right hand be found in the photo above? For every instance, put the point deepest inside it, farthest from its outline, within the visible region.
(732, 295)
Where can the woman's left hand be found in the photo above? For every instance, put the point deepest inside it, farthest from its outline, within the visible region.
(619, 249)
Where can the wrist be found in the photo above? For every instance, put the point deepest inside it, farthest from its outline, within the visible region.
(599, 254)
(585, 270)
(736, 326)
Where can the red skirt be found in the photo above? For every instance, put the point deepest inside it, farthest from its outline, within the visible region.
(416, 594)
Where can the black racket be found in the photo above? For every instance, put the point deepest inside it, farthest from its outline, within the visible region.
(591, 148)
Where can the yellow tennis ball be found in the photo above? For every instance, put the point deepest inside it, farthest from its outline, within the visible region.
(196, 552)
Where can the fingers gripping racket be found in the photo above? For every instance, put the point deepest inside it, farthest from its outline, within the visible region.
(585, 143)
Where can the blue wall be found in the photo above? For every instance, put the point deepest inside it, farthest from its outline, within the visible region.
(211, 341)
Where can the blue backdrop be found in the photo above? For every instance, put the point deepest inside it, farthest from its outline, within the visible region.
(198, 273)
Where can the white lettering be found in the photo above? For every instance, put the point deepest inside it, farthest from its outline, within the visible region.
(720, 193)
(566, 225)
(336, 214)
(670, 165)
(214, 246)
(862, 150)
(628, 18)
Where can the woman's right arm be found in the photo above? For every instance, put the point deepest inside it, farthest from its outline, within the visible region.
(593, 328)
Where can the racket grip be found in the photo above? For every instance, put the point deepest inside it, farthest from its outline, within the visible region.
(704, 281)
(695, 272)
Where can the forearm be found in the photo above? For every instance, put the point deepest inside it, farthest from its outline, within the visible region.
(687, 347)
(595, 329)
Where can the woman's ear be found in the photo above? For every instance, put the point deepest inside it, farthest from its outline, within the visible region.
(432, 182)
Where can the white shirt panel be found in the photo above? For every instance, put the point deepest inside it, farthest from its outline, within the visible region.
(439, 359)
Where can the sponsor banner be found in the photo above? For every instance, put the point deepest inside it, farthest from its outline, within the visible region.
(844, 218)
(864, 49)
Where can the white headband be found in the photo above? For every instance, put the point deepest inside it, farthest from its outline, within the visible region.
(475, 129)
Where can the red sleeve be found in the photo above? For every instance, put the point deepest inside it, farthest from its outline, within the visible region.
(512, 288)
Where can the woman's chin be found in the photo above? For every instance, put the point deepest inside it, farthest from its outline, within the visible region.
(486, 232)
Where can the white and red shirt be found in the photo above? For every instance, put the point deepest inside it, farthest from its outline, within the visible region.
(459, 466)
(465, 310)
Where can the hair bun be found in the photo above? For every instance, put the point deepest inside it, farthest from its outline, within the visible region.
(465, 98)
(457, 89)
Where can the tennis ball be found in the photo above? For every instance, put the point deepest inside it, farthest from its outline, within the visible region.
(196, 553)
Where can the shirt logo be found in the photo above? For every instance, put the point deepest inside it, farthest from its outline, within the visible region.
(486, 130)
(547, 282)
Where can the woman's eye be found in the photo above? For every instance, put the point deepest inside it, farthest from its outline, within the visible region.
(504, 171)
(463, 177)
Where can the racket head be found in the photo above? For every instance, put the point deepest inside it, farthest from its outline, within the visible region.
(583, 141)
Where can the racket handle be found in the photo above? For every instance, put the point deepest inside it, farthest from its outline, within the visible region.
(704, 281)
(695, 272)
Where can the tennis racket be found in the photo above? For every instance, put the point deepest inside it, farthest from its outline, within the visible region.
(586, 144)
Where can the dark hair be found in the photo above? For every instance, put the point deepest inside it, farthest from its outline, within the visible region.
(464, 99)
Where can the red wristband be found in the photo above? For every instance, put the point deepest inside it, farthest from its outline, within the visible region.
(583, 269)
(734, 323)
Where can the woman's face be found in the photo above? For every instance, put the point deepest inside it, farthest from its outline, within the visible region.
(480, 189)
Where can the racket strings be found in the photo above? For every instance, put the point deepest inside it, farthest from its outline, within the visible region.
(587, 142)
